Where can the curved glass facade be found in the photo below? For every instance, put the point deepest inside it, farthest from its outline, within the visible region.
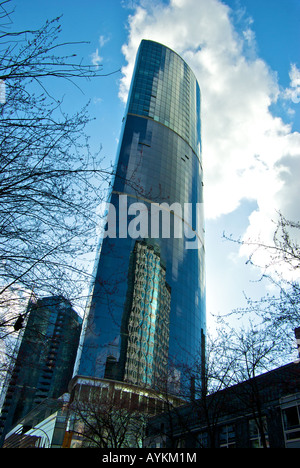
(166, 90)
(146, 315)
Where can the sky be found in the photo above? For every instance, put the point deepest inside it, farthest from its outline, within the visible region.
(245, 55)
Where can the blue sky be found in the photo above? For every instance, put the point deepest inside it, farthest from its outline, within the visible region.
(245, 54)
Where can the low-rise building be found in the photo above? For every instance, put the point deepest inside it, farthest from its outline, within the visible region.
(260, 412)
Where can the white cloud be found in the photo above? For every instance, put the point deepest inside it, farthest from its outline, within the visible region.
(103, 40)
(293, 93)
(97, 100)
(95, 56)
(96, 59)
(248, 153)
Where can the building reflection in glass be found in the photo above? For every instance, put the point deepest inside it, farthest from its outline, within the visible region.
(146, 318)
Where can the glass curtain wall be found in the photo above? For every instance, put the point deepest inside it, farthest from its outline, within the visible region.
(146, 314)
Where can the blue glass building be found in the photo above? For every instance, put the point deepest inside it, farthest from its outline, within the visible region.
(44, 361)
(146, 315)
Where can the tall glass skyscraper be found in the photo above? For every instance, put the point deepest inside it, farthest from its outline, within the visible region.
(146, 315)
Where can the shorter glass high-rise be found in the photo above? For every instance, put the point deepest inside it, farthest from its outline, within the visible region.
(44, 361)
(146, 316)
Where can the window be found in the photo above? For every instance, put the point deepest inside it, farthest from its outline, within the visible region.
(202, 440)
(291, 422)
(255, 434)
(291, 417)
(227, 436)
(180, 443)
